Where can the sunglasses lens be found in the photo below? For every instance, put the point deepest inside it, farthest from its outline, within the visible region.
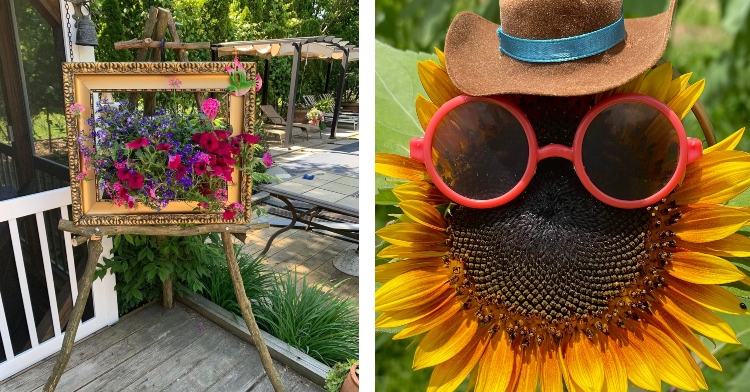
(630, 151)
(480, 150)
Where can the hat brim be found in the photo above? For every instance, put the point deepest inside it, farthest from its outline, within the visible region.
(477, 67)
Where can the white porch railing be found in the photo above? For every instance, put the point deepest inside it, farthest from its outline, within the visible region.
(102, 291)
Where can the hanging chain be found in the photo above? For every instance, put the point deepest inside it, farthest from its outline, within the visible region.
(70, 33)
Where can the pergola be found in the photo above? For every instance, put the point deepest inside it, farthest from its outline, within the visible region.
(321, 47)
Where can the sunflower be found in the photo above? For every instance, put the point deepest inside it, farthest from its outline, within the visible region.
(555, 288)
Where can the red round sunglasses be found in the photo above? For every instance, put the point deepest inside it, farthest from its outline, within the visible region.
(629, 151)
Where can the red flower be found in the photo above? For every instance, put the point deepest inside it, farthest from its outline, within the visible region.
(223, 149)
(135, 181)
(180, 172)
(250, 139)
(209, 142)
(229, 161)
(229, 214)
(174, 162)
(236, 145)
(228, 174)
(200, 168)
(122, 194)
(164, 147)
(138, 143)
(222, 134)
(197, 137)
(123, 174)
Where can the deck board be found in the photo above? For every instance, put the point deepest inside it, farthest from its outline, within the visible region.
(156, 349)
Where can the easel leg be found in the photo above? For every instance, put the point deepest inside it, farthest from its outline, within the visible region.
(167, 294)
(95, 250)
(247, 312)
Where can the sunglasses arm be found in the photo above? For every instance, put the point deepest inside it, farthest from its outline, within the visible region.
(416, 148)
(695, 149)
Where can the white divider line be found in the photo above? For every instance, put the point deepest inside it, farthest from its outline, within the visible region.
(48, 272)
(18, 253)
(69, 256)
(5, 333)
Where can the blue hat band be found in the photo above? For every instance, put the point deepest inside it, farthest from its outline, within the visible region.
(563, 49)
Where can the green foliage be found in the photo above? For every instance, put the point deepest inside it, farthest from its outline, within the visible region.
(338, 374)
(310, 319)
(111, 25)
(218, 283)
(325, 105)
(141, 265)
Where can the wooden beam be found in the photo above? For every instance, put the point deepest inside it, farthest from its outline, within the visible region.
(50, 11)
(149, 43)
(16, 100)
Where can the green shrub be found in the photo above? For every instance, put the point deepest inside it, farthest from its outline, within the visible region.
(141, 265)
(218, 283)
(312, 320)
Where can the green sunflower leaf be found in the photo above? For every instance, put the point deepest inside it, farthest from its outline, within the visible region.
(741, 200)
(386, 197)
(397, 85)
(741, 326)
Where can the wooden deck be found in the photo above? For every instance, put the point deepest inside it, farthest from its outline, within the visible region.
(160, 350)
(307, 252)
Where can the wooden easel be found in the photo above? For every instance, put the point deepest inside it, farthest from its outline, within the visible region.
(93, 236)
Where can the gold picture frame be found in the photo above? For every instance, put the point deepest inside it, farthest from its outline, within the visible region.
(81, 84)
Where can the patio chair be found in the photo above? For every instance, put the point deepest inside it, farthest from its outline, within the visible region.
(310, 100)
(276, 119)
(280, 131)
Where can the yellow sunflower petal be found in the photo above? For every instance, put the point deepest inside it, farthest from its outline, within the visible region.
(639, 366)
(447, 376)
(445, 341)
(696, 316)
(569, 383)
(714, 178)
(436, 82)
(584, 362)
(615, 374)
(528, 375)
(709, 223)
(432, 320)
(686, 336)
(656, 83)
(632, 86)
(397, 318)
(472, 379)
(550, 374)
(736, 245)
(420, 190)
(408, 233)
(677, 85)
(425, 111)
(673, 367)
(386, 272)
(728, 143)
(424, 213)
(701, 268)
(414, 251)
(409, 290)
(441, 57)
(401, 167)
(710, 296)
(684, 101)
(492, 377)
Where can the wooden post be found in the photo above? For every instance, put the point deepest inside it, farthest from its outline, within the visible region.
(167, 294)
(142, 55)
(95, 250)
(247, 312)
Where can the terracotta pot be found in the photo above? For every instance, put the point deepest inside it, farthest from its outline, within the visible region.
(351, 383)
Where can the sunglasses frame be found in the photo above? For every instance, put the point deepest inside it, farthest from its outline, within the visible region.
(690, 150)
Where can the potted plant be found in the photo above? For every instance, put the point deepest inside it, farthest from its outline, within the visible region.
(316, 117)
(343, 377)
(300, 112)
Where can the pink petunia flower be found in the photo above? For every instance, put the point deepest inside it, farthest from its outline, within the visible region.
(267, 159)
(258, 82)
(209, 142)
(81, 176)
(250, 139)
(164, 147)
(135, 181)
(200, 168)
(138, 143)
(174, 162)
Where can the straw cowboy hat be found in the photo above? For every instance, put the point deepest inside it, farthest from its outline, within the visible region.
(553, 47)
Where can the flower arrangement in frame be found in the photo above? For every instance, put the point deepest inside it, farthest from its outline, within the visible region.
(187, 162)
